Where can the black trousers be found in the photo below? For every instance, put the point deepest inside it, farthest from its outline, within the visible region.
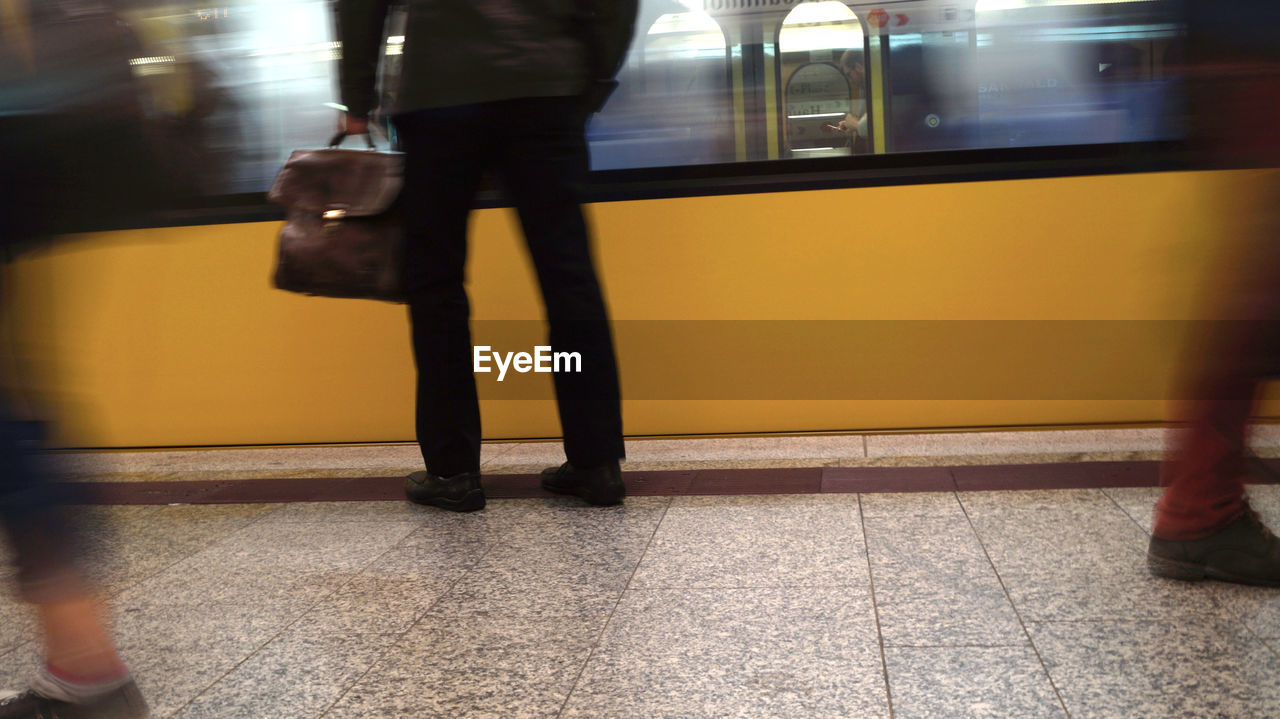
(538, 148)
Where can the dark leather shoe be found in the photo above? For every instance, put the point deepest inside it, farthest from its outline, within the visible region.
(459, 493)
(1245, 552)
(600, 485)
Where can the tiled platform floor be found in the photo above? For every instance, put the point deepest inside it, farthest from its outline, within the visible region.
(948, 604)
(838, 604)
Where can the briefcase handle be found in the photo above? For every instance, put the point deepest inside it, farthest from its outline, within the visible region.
(342, 135)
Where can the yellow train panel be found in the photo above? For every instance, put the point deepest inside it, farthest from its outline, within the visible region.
(174, 336)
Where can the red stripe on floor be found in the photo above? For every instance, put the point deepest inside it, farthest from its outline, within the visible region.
(804, 480)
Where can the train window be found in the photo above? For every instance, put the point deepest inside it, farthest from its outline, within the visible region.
(237, 86)
(1067, 72)
(672, 104)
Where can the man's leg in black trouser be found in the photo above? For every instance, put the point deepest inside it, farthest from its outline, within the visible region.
(544, 158)
(444, 162)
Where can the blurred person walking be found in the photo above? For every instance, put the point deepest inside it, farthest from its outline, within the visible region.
(504, 85)
(83, 675)
(63, 72)
(1203, 525)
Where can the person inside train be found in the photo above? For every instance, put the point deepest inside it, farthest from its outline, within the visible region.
(1203, 525)
(854, 123)
(468, 68)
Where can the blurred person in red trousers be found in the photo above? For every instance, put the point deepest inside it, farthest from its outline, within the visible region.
(1203, 526)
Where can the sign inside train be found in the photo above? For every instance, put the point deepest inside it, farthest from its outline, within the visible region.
(739, 7)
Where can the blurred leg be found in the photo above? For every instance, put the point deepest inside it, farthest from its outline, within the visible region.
(1231, 82)
(1205, 473)
(77, 645)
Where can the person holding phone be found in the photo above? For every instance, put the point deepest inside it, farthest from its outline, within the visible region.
(854, 124)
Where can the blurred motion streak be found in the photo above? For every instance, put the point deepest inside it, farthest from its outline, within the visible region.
(227, 91)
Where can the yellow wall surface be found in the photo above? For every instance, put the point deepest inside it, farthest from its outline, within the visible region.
(174, 336)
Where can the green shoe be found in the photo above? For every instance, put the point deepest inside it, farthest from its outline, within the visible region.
(600, 485)
(459, 493)
(1244, 552)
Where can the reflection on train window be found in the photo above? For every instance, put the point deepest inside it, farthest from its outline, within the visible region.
(1064, 72)
(672, 105)
(236, 87)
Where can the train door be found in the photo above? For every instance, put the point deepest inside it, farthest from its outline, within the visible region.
(926, 55)
(822, 63)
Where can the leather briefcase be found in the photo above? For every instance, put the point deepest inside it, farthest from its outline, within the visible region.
(342, 233)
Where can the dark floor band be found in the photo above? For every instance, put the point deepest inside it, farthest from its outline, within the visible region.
(805, 480)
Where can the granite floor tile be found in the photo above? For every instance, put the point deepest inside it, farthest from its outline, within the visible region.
(490, 451)
(294, 676)
(397, 511)
(745, 448)
(920, 504)
(261, 459)
(173, 650)
(123, 547)
(1136, 502)
(384, 599)
(176, 651)
(211, 579)
(1131, 594)
(1010, 503)
(1265, 499)
(90, 518)
(533, 455)
(1164, 670)
(563, 520)
(1067, 564)
(547, 577)
(976, 682)
(397, 589)
(735, 653)
(495, 669)
(1257, 607)
(552, 519)
(308, 546)
(20, 663)
(761, 541)
(17, 621)
(1058, 442)
(1063, 540)
(1139, 502)
(1264, 435)
(934, 585)
(1273, 645)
